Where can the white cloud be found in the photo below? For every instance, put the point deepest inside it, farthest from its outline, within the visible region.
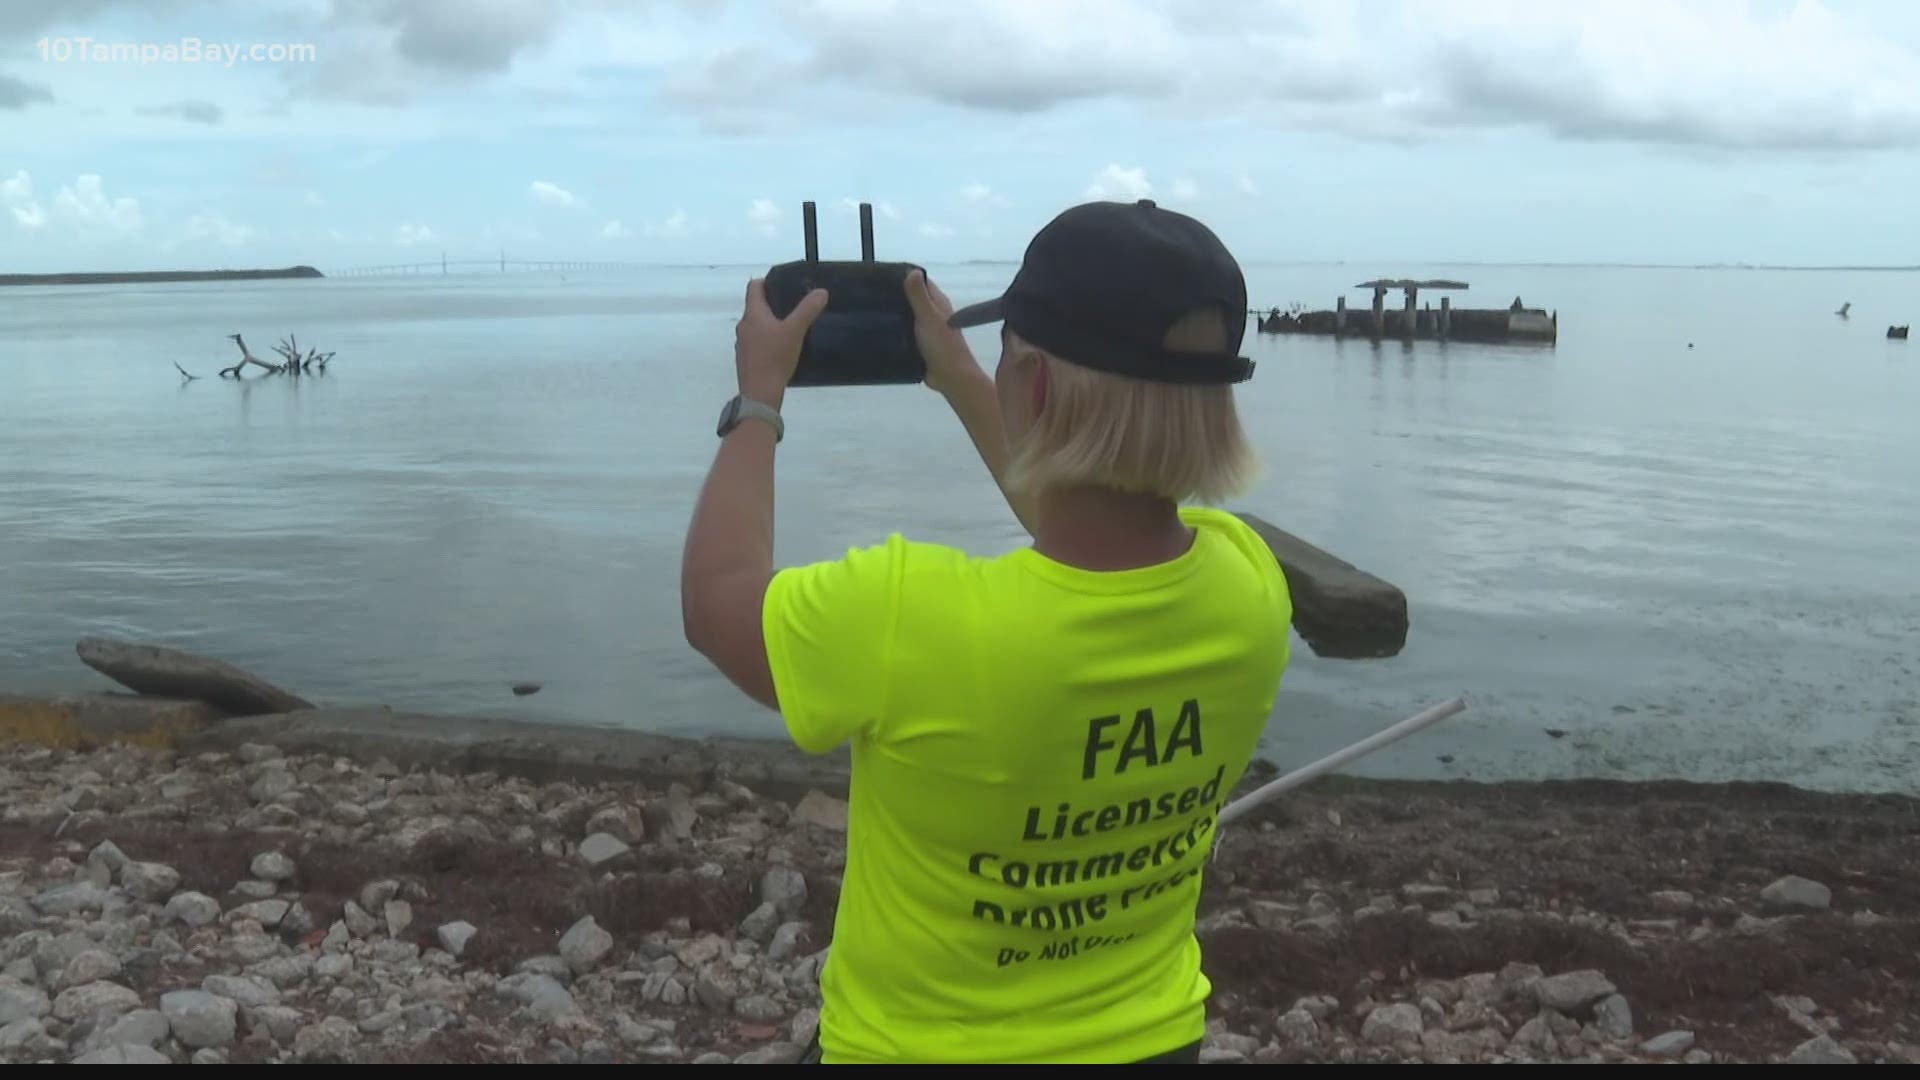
(674, 225)
(1185, 189)
(85, 203)
(763, 213)
(1120, 183)
(980, 194)
(17, 193)
(313, 199)
(408, 235)
(934, 230)
(613, 230)
(850, 205)
(551, 194)
(1741, 74)
(1244, 184)
(210, 226)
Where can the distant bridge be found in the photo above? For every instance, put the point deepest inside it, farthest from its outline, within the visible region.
(500, 265)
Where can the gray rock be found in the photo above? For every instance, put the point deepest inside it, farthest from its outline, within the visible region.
(284, 971)
(273, 866)
(349, 813)
(149, 881)
(253, 948)
(98, 1002)
(1392, 1024)
(623, 823)
(454, 936)
(18, 1001)
(337, 938)
(1298, 1029)
(141, 1027)
(81, 896)
(389, 951)
(333, 966)
(385, 1020)
(1318, 1006)
(124, 1055)
(712, 1057)
(270, 785)
(760, 925)
(255, 889)
(1536, 1036)
(551, 966)
(1614, 1017)
(786, 940)
(758, 1008)
(298, 922)
(1217, 1055)
(331, 1039)
(267, 913)
(255, 753)
(358, 921)
(1797, 893)
(584, 945)
(716, 988)
(805, 1024)
(785, 888)
(153, 671)
(774, 1053)
(1515, 982)
(596, 1052)
(209, 1056)
(1243, 1045)
(1432, 1013)
(27, 1034)
(1320, 924)
(1572, 991)
(244, 989)
(375, 894)
(1821, 1050)
(1672, 901)
(1697, 1056)
(821, 810)
(399, 916)
(193, 909)
(90, 966)
(108, 854)
(280, 1022)
(546, 1000)
(16, 916)
(1669, 1045)
(200, 1019)
(602, 847)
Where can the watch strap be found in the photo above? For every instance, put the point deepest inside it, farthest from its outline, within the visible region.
(745, 408)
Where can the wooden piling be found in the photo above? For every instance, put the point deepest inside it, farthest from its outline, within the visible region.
(1340, 317)
(1446, 317)
(1410, 314)
(1379, 313)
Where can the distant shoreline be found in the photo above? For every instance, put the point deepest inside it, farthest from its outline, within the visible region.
(126, 277)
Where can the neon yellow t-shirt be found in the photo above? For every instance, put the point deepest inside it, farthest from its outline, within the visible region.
(1038, 755)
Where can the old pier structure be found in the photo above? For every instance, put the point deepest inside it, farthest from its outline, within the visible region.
(1516, 323)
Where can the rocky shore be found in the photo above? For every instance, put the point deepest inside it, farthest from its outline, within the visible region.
(161, 906)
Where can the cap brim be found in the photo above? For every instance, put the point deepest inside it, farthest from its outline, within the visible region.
(987, 311)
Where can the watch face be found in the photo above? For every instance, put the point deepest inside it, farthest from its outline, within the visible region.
(729, 415)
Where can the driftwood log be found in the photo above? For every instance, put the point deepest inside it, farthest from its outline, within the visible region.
(170, 673)
(1341, 611)
(293, 362)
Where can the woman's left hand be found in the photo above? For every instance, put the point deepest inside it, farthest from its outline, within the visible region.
(766, 348)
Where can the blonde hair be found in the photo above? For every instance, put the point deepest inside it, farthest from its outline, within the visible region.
(1179, 441)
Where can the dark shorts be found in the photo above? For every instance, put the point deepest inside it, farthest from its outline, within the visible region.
(1185, 1055)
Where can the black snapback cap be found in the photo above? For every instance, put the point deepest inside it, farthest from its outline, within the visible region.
(1102, 284)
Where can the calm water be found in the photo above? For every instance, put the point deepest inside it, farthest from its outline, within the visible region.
(1694, 562)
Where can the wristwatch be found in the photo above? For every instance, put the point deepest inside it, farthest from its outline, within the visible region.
(744, 408)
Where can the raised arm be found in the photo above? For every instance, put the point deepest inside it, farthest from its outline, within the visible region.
(958, 377)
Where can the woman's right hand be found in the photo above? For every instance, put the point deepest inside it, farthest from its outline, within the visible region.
(949, 361)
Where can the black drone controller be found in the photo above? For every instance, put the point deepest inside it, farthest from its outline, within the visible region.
(865, 335)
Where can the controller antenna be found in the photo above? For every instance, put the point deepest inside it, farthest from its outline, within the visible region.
(866, 232)
(812, 227)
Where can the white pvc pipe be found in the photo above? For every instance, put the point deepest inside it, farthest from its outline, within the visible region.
(1341, 757)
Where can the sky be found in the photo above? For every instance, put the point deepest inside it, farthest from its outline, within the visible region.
(341, 133)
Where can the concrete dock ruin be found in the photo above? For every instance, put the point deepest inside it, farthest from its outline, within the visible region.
(1514, 324)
